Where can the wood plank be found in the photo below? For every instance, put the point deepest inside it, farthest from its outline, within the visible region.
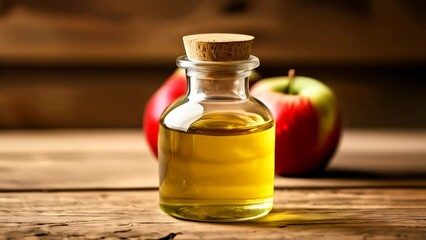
(104, 32)
(310, 214)
(76, 159)
(93, 159)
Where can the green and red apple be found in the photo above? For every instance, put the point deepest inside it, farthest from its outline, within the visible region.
(308, 123)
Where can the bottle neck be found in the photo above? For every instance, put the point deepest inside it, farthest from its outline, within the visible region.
(205, 85)
(227, 80)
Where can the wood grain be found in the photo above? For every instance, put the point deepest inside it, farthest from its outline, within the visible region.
(68, 184)
(311, 214)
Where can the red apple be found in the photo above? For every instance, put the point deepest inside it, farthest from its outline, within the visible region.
(173, 88)
(307, 119)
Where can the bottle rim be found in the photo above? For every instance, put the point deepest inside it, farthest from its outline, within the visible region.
(248, 64)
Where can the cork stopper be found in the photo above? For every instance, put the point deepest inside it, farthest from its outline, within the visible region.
(218, 47)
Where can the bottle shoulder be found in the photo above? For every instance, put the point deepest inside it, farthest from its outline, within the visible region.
(217, 116)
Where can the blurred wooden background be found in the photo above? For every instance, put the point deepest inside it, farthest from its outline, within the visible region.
(77, 63)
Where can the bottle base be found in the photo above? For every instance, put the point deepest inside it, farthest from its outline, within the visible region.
(218, 212)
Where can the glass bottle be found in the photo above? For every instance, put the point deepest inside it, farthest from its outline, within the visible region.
(216, 146)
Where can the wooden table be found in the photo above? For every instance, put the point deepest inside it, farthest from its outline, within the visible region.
(102, 184)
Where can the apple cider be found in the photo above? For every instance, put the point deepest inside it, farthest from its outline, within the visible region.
(221, 169)
(216, 143)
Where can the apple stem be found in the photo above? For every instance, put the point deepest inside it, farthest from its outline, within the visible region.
(291, 74)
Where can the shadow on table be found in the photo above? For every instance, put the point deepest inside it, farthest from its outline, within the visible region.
(377, 166)
(364, 174)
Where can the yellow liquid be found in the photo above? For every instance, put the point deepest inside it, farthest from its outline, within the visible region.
(221, 169)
